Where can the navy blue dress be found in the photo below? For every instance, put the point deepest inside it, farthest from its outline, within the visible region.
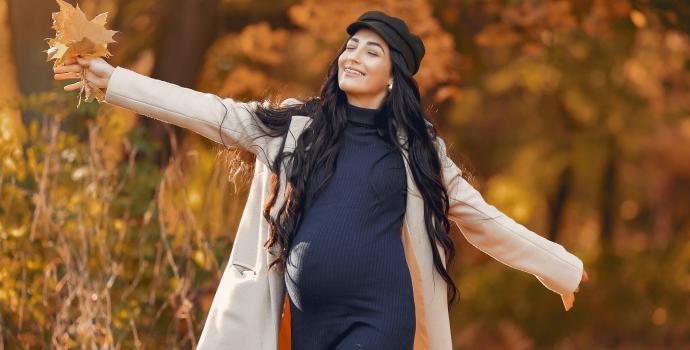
(346, 275)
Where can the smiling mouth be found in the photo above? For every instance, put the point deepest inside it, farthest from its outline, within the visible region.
(352, 73)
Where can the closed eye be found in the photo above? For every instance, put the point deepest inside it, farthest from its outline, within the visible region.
(371, 52)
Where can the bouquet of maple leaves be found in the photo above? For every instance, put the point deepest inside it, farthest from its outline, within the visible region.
(76, 36)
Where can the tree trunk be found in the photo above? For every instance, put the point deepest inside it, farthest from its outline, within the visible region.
(608, 194)
(185, 31)
(557, 203)
(30, 23)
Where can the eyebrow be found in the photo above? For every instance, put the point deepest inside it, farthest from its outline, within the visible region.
(369, 43)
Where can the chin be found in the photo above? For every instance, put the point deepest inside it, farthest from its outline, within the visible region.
(352, 88)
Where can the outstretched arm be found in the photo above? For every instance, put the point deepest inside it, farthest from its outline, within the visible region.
(507, 241)
(194, 110)
(198, 111)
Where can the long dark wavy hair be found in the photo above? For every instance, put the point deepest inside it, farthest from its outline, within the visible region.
(318, 146)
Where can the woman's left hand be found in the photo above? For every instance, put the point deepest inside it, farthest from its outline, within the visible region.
(585, 278)
(569, 298)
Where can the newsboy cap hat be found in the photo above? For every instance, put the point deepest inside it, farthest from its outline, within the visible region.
(396, 34)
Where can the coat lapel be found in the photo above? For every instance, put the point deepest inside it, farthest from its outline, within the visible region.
(421, 337)
(430, 292)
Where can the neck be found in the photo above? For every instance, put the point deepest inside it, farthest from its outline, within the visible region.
(367, 100)
(361, 114)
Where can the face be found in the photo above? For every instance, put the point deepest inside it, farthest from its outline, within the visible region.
(367, 53)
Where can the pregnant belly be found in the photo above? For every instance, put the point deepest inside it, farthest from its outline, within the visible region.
(336, 260)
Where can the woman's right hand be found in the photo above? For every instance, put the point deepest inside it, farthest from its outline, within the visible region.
(97, 72)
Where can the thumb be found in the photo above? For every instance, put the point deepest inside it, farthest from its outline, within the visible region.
(83, 61)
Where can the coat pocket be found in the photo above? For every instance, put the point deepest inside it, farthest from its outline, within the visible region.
(240, 316)
(244, 269)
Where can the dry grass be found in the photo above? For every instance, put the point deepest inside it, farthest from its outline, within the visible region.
(109, 253)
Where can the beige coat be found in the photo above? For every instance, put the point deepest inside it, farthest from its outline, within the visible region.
(247, 307)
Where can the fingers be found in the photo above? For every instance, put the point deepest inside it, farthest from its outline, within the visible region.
(90, 78)
(84, 61)
(74, 67)
(73, 64)
(585, 278)
(67, 68)
(73, 86)
(77, 85)
(68, 75)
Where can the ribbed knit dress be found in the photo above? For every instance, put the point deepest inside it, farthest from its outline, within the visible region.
(346, 275)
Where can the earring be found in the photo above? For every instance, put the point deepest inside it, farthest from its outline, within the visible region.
(390, 87)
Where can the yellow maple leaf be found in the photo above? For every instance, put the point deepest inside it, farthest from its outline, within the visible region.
(76, 36)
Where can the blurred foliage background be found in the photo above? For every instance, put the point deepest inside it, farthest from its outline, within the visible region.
(572, 117)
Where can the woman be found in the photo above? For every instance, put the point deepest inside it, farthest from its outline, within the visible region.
(356, 219)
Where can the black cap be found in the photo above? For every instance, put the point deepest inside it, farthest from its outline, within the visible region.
(396, 34)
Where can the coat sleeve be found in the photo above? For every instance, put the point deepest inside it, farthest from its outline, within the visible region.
(194, 110)
(507, 241)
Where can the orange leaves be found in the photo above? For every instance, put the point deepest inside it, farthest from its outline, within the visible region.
(75, 35)
(262, 44)
(324, 23)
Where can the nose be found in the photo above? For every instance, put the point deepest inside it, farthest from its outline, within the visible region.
(353, 56)
(351, 61)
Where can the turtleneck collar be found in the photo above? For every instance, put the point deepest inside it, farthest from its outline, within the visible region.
(361, 115)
